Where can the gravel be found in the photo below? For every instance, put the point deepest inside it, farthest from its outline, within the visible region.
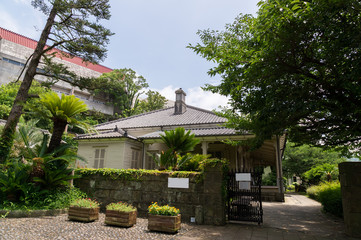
(59, 227)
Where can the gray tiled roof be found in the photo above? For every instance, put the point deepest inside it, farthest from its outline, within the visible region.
(114, 133)
(165, 117)
(221, 131)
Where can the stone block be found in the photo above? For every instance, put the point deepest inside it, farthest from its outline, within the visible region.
(199, 215)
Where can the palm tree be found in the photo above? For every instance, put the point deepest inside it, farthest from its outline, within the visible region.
(62, 111)
(179, 140)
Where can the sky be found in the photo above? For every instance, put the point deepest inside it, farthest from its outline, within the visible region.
(151, 37)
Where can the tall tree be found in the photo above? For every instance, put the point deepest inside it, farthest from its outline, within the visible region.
(300, 159)
(72, 26)
(153, 102)
(295, 65)
(122, 87)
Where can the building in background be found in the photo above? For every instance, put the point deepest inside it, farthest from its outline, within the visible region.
(15, 49)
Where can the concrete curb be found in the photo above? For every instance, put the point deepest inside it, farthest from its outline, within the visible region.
(31, 213)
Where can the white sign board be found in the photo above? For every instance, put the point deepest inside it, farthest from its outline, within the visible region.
(245, 185)
(244, 177)
(178, 182)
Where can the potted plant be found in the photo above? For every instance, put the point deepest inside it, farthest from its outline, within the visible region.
(120, 214)
(84, 210)
(163, 218)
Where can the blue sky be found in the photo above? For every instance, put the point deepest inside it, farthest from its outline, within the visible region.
(151, 38)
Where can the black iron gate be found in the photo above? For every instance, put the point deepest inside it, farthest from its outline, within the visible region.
(244, 201)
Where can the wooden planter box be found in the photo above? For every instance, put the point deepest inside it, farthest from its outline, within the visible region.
(160, 223)
(83, 214)
(122, 219)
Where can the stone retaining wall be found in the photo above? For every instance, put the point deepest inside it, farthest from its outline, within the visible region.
(203, 200)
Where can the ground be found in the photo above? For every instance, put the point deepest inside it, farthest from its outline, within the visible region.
(297, 218)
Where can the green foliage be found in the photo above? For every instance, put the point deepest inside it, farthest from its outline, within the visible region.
(164, 210)
(7, 96)
(324, 172)
(55, 176)
(121, 207)
(129, 174)
(192, 162)
(54, 199)
(300, 159)
(270, 178)
(122, 87)
(14, 181)
(329, 194)
(166, 159)
(85, 203)
(73, 26)
(62, 111)
(27, 137)
(154, 101)
(292, 66)
(180, 141)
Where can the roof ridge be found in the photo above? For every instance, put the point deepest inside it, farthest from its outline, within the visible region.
(201, 109)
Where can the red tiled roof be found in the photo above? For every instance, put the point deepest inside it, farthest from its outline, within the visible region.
(30, 43)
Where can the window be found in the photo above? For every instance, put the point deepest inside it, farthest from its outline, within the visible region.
(135, 158)
(150, 164)
(99, 158)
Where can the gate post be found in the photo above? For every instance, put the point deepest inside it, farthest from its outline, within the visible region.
(350, 179)
(214, 208)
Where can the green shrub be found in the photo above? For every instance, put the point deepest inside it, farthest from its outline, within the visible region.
(324, 172)
(313, 192)
(56, 199)
(329, 195)
(193, 161)
(121, 207)
(331, 199)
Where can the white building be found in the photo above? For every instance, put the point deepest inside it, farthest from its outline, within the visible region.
(15, 49)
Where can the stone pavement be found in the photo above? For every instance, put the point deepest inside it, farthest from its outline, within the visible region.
(297, 218)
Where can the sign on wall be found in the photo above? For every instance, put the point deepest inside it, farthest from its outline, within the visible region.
(178, 182)
(244, 181)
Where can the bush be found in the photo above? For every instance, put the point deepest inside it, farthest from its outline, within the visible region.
(329, 195)
(324, 172)
(55, 199)
(193, 161)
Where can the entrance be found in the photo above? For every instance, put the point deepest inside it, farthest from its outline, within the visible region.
(244, 202)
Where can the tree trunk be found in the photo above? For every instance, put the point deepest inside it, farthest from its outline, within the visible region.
(7, 136)
(58, 130)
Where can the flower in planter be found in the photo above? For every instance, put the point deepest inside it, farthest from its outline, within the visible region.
(163, 218)
(164, 210)
(121, 207)
(85, 203)
(84, 209)
(120, 214)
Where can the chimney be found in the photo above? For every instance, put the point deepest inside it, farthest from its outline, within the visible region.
(180, 106)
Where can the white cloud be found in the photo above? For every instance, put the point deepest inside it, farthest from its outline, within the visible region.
(196, 97)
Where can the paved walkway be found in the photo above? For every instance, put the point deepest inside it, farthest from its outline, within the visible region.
(295, 219)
